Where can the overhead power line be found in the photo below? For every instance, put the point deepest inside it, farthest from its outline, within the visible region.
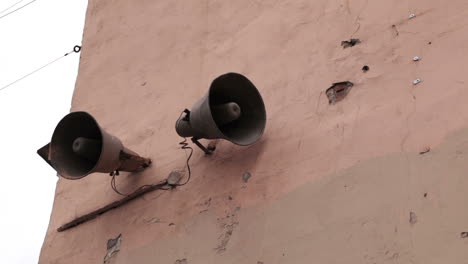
(11, 12)
(3, 11)
(76, 49)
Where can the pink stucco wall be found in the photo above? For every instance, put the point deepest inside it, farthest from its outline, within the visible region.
(330, 183)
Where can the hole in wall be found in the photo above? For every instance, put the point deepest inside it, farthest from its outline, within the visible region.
(350, 43)
(338, 91)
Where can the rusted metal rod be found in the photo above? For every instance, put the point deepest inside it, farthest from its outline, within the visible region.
(84, 218)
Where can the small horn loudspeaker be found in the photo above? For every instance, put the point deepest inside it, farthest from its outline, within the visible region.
(79, 147)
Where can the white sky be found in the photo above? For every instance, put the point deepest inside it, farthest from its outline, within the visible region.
(29, 111)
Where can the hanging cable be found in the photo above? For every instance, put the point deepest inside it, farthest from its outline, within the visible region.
(76, 49)
(114, 185)
(13, 5)
(184, 145)
(11, 12)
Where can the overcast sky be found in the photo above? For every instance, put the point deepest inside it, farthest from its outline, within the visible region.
(29, 111)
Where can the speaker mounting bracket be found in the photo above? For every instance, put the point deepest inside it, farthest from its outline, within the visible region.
(130, 161)
(208, 150)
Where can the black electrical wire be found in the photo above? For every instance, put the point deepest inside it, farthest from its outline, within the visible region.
(114, 185)
(184, 146)
(11, 12)
(76, 49)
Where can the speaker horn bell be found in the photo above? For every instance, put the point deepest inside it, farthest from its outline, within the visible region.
(79, 147)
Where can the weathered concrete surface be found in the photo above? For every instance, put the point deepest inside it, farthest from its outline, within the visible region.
(330, 184)
(360, 215)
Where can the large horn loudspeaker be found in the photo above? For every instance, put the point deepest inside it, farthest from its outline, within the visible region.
(79, 147)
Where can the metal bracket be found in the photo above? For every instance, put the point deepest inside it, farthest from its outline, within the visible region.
(208, 151)
(130, 161)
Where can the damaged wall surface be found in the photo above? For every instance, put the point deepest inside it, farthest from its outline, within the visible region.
(378, 176)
